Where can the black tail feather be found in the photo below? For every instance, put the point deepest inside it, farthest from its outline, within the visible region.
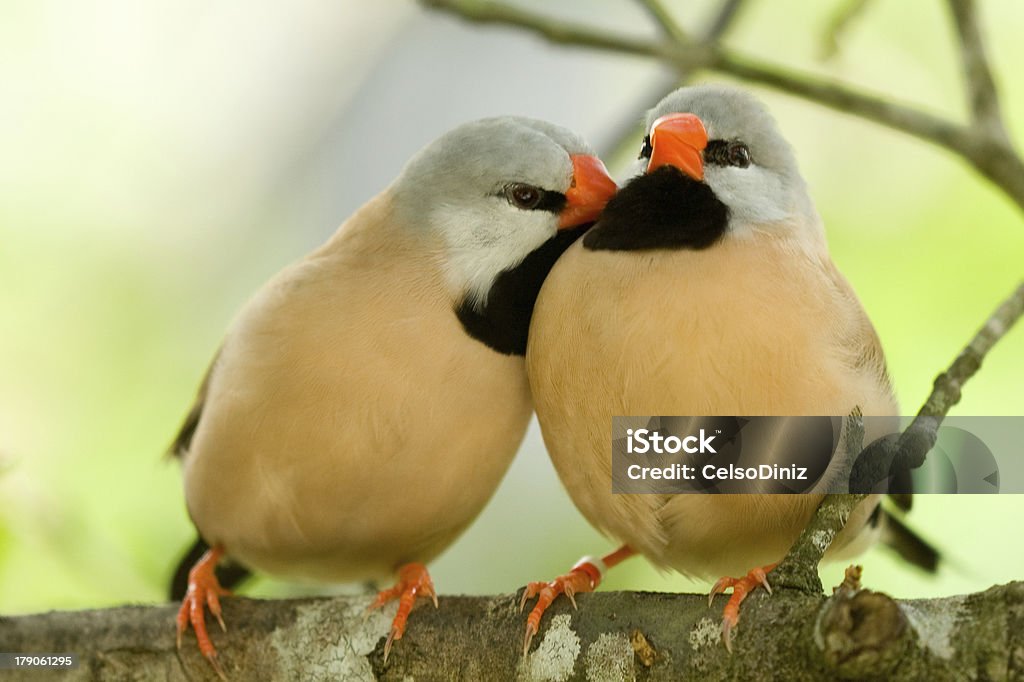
(909, 545)
(229, 574)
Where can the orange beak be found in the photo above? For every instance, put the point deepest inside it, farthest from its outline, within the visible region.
(591, 189)
(677, 140)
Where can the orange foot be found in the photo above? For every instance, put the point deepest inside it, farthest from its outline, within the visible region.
(413, 581)
(585, 576)
(741, 587)
(204, 591)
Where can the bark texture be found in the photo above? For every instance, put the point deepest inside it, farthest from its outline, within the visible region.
(792, 635)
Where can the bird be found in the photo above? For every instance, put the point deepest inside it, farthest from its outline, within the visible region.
(706, 288)
(367, 400)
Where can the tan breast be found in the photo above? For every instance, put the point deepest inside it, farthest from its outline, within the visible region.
(350, 424)
(750, 326)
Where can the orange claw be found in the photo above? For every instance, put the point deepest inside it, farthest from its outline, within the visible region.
(741, 587)
(413, 581)
(585, 576)
(579, 579)
(204, 591)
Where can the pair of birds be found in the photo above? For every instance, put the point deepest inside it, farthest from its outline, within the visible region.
(395, 368)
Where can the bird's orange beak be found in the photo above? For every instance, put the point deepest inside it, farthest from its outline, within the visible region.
(591, 189)
(677, 140)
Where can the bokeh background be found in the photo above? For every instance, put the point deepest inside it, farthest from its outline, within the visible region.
(160, 160)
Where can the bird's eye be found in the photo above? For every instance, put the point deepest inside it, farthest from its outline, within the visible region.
(524, 196)
(646, 148)
(738, 155)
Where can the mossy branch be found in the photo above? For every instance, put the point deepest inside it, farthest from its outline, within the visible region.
(613, 636)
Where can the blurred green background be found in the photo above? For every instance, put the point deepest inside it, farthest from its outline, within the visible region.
(160, 160)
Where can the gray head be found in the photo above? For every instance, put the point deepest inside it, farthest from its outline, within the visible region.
(495, 190)
(506, 196)
(747, 164)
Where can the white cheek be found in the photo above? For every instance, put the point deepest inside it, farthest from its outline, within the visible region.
(753, 195)
(483, 242)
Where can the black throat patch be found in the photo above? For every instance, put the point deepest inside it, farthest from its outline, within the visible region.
(503, 323)
(665, 209)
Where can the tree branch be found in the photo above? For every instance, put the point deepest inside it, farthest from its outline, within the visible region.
(885, 457)
(842, 98)
(554, 30)
(723, 19)
(631, 126)
(909, 451)
(946, 393)
(799, 568)
(699, 56)
(981, 87)
(666, 22)
(994, 158)
(837, 25)
(696, 56)
(613, 635)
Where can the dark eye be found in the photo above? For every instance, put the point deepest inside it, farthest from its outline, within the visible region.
(738, 155)
(646, 148)
(524, 196)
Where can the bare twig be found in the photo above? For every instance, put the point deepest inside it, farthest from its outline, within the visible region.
(919, 437)
(630, 129)
(837, 25)
(873, 464)
(947, 386)
(696, 56)
(981, 86)
(555, 30)
(724, 18)
(842, 98)
(625, 136)
(666, 22)
(799, 569)
(994, 158)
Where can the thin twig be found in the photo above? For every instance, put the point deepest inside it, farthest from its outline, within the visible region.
(891, 456)
(993, 157)
(699, 56)
(724, 18)
(920, 436)
(555, 30)
(947, 386)
(666, 22)
(837, 25)
(981, 87)
(845, 99)
(625, 135)
(630, 129)
(799, 569)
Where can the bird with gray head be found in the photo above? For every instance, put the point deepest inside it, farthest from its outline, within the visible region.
(705, 289)
(341, 385)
